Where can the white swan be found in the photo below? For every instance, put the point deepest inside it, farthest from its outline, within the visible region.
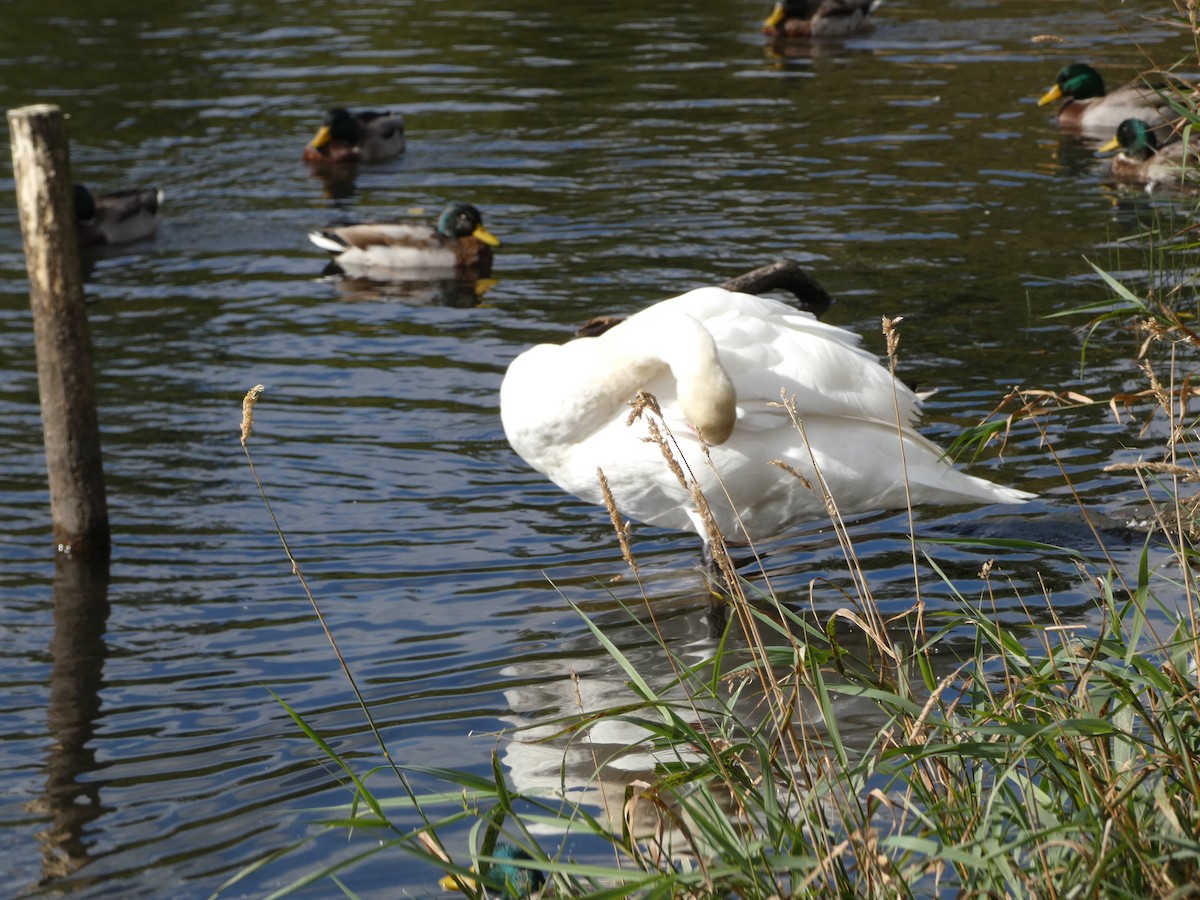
(716, 361)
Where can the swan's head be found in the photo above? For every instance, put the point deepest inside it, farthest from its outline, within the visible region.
(709, 402)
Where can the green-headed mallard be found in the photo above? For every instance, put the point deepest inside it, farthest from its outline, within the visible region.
(818, 18)
(458, 242)
(1143, 160)
(717, 361)
(345, 137)
(517, 882)
(1089, 109)
(118, 218)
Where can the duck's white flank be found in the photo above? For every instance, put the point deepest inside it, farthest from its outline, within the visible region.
(399, 245)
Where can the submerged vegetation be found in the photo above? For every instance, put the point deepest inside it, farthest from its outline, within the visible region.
(1056, 759)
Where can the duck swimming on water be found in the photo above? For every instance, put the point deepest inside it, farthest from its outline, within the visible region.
(1141, 159)
(121, 217)
(1089, 109)
(717, 362)
(458, 242)
(508, 872)
(346, 137)
(818, 18)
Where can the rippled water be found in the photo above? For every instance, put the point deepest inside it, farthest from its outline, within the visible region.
(623, 153)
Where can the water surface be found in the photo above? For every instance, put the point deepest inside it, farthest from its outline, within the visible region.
(623, 153)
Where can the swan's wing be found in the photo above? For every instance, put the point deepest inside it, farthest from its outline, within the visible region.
(864, 468)
(769, 348)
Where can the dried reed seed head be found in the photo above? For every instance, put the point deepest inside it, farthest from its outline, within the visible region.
(642, 401)
(1154, 328)
(1157, 468)
(799, 476)
(614, 515)
(788, 402)
(700, 502)
(248, 402)
(664, 447)
(1161, 394)
(574, 676)
(892, 335)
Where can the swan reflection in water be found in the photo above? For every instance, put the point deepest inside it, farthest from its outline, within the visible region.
(593, 766)
(563, 748)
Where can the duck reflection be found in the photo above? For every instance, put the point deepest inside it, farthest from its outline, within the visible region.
(416, 288)
(1075, 156)
(790, 54)
(338, 179)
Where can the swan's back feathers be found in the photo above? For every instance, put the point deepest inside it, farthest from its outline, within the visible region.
(769, 347)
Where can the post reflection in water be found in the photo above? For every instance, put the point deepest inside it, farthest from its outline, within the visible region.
(78, 650)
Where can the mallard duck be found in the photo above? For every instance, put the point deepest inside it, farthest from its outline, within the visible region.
(514, 881)
(1090, 110)
(716, 361)
(1141, 159)
(369, 137)
(818, 18)
(458, 242)
(118, 218)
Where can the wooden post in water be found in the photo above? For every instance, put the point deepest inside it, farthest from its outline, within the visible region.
(42, 171)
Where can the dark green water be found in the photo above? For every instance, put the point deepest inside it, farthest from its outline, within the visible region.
(623, 152)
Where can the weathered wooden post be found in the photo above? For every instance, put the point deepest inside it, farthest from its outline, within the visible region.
(42, 171)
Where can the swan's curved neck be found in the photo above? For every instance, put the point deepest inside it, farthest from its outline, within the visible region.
(646, 344)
